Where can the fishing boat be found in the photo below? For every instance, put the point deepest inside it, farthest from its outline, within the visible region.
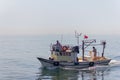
(66, 56)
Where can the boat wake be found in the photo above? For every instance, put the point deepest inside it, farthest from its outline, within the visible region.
(114, 63)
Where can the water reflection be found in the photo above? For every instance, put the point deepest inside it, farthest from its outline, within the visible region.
(92, 73)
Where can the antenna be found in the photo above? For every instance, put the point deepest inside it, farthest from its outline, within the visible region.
(61, 38)
(77, 36)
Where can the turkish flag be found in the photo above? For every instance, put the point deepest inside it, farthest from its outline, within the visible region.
(85, 36)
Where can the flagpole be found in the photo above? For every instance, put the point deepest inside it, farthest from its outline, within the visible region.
(83, 50)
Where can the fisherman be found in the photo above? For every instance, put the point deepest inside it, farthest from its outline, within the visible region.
(95, 52)
(58, 46)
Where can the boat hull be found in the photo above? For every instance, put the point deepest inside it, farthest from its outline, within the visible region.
(77, 65)
(45, 62)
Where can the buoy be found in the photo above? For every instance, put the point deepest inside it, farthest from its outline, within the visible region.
(91, 64)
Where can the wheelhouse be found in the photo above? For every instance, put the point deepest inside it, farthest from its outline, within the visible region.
(64, 53)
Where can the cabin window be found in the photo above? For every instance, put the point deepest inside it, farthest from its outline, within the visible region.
(63, 53)
(69, 54)
(60, 54)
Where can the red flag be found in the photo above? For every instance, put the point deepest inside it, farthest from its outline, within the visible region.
(85, 36)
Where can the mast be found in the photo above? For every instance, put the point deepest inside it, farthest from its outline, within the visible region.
(77, 36)
(83, 50)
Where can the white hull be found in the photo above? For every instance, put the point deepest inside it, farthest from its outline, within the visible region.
(51, 63)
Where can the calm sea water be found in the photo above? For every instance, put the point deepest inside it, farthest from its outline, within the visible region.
(18, 59)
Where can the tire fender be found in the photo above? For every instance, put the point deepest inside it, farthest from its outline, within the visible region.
(91, 64)
(56, 63)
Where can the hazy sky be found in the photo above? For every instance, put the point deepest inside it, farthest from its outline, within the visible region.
(34, 17)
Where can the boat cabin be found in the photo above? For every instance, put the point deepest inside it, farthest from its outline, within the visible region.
(64, 53)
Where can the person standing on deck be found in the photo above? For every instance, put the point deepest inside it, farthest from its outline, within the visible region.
(58, 46)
